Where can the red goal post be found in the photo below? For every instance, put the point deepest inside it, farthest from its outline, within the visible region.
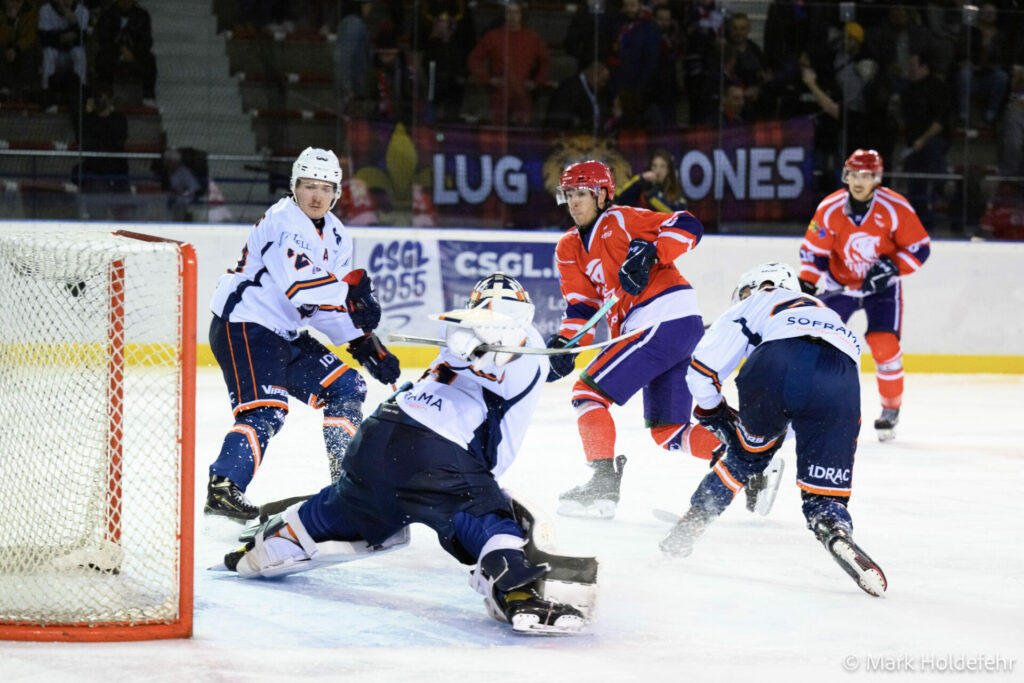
(97, 433)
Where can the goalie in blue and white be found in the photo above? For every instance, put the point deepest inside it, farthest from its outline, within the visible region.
(802, 370)
(432, 454)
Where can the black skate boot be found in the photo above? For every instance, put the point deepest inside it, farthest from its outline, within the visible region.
(885, 425)
(680, 539)
(598, 497)
(837, 538)
(224, 498)
(529, 613)
(509, 584)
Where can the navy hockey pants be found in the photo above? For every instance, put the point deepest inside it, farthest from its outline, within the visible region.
(815, 387)
(398, 472)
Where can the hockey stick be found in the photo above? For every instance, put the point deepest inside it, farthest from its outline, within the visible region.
(526, 350)
(594, 319)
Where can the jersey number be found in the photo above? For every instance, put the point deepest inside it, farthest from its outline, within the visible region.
(301, 260)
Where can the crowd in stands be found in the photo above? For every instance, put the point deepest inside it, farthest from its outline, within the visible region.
(906, 78)
(53, 50)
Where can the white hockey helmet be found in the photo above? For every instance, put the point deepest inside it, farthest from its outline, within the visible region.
(503, 294)
(778, 274)
(319, 164)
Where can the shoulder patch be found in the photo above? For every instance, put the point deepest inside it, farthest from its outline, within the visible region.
(814, 228)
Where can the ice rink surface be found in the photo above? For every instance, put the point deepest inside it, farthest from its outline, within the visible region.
(759, 599)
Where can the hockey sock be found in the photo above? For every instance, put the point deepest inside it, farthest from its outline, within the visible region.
(885, 349)
(341, 420)
(594, 420)
(597, 431)
(817, 507)
(242, 451)
(342, 400)
(693, 439)
(477, 534)
(726, 479)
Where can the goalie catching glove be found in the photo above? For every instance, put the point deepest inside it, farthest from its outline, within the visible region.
(469, 329)
(375, 358)
(363, 307)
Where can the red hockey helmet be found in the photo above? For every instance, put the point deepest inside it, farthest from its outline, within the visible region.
(586, 175)
(864, 161)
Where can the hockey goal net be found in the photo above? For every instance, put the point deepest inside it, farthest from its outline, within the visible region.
(97, 396)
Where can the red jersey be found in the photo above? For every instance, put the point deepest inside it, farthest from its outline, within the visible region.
(835, 244)
(588, 269)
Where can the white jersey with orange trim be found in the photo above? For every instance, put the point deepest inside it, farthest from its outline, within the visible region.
(766, 315)
(290, 276)
(487, 410)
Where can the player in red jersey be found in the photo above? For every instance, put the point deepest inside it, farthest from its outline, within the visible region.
(860, 243)
(628, 253)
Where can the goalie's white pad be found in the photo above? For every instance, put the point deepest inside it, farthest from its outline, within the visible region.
(279, 553)
(572, 579)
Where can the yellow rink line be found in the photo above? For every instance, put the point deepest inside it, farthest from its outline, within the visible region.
(420, 357)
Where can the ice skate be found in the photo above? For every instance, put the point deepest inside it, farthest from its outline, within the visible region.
(680, 539)
(599, 497)
(762, 488)
(509, 584)
(885, 425)
(838, 540)
(225, 499)
(533, 615)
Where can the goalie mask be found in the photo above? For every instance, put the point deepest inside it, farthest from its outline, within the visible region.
(777, 274)
(503, 294)
(317, 164)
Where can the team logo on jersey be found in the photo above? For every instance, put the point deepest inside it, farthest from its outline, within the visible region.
(860, 251)
(815, 228)
(595, 272)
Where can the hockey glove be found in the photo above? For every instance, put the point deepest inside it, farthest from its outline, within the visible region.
(720, 421)
(563, 363)
(362, 304)
(636, 269)
(808, 287)
(375, 358)
(879, 275)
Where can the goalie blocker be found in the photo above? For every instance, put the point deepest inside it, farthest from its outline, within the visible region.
(560, 602)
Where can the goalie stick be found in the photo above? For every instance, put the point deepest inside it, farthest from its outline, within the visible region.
(570, 346)
(527, 350)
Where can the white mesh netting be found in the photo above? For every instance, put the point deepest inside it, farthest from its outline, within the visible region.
(90, 410)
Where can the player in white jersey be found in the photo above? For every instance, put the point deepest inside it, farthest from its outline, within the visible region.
(802, 369)
(295, 271)
(431, 454)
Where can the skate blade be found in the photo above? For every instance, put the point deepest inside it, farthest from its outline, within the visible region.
(766, 498)
(599, 509)
(667, 516)
(860, 567)
(565, 625)
(886, 434)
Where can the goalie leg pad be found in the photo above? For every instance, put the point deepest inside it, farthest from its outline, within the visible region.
(280, 543)
(324, 554)
(571, 579)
